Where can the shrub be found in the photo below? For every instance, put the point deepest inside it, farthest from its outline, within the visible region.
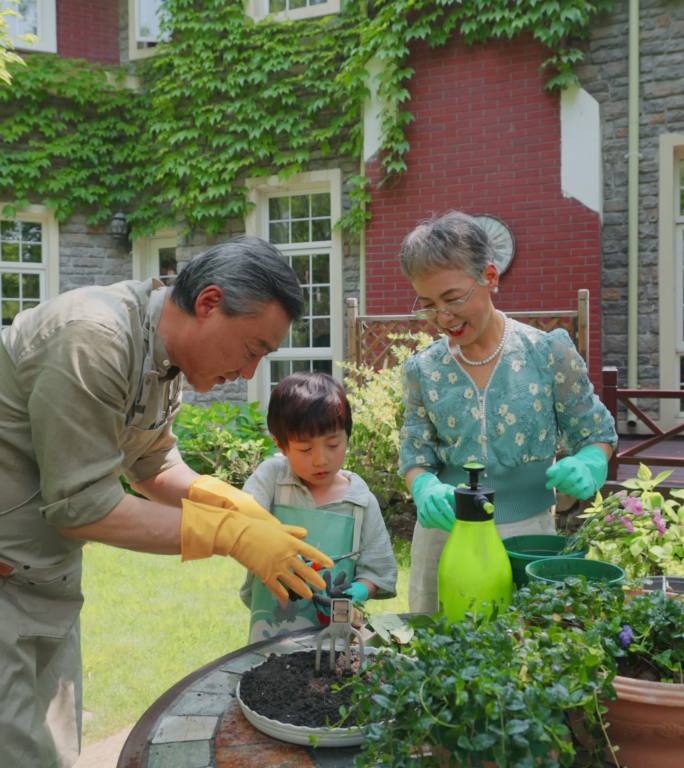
(223, 439)
(378, 410)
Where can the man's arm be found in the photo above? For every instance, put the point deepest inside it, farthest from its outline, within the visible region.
(169, 486)
(138, 524)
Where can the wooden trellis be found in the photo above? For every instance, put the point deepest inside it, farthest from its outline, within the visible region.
(369, 342)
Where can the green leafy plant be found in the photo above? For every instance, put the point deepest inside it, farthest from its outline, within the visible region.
(636, 528)
(491, 693)
(231, 99)
(223, 439)
(377, 405)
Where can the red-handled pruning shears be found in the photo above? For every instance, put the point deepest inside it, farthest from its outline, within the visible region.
(319, 567)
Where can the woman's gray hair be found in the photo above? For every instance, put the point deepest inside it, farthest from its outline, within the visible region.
(451, 241)
(251, 273)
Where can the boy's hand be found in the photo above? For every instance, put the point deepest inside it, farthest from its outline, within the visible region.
(358, 592)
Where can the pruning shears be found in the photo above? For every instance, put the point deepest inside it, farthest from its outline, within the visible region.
(293, 596)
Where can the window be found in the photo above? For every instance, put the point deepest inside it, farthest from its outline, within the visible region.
(37, 17)
(281, 10)
(27, 273)
(155, 256)
(679, 271)
(298, 218)
(143, 27)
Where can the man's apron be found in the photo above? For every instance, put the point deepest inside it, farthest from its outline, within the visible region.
(333, 533)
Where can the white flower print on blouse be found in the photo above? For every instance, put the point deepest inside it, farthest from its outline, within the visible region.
(435, 376)
(516, 366)
(468, 393)
(534, 388)
(451, 421)
(510, 419)
(500, 428)
(503, 409)
(519, 438)
(542, 435)
(559, 378)
(433, 395)
(537, 405)
(452, 377)
(420, 411)
(475, 412)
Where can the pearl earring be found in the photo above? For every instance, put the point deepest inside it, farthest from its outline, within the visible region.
(495, 289)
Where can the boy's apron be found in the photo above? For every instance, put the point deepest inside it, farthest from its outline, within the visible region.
(333, 533)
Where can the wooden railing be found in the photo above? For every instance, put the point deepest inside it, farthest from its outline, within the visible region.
(612, 395)
(368, 339)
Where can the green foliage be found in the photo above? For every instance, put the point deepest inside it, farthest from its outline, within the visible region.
(378, 408)
(225, 440)
(494, 691)
(637, 528)
(227, 99)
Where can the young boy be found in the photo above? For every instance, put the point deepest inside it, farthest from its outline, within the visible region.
(310, 419)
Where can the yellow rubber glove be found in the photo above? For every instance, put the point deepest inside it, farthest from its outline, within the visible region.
(272, 552)
(210, 490)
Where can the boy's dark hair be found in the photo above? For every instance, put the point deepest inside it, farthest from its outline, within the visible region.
(307, 405)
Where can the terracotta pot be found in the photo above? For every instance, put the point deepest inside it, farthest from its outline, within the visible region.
(647, 723)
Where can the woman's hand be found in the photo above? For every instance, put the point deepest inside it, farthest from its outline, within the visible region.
(435, 502)
(580, 475)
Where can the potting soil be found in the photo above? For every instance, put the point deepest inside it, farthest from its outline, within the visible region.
(288, 689)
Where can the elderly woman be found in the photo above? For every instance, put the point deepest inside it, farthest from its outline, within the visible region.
(491, 390)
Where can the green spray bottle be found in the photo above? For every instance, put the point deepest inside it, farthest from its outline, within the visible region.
(474, 569)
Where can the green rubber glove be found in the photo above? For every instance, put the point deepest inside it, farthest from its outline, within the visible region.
(580, 475)
(434, 501)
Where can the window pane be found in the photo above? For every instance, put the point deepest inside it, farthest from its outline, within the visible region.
(148, 20)
(324, 366)
(9, 310)
(277, 233)
(320, 229)
(10, 285)
(297, 3)
(300, 231)
(31, 232)
(168, 266)
(29, 304)
(300, 332)
(299, 366)
(320, 204)
(30, 286)
(321, 301)
(681, 187)
(321, 268)
(321, 332)
(28, 23)
(300, 207)
(279, 207)
(300, 264)
(275, 6)
(10, 230)
(10, 252)
(279, 370)
(32, 253)
(306, 299)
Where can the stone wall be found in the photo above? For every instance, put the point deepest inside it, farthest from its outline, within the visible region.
(605, 76)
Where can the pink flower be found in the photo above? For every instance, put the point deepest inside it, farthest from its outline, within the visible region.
(608, 518)
(627, 523)
(633, 505)
(659, 523)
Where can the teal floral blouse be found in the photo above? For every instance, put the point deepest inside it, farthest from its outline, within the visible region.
(538, 400)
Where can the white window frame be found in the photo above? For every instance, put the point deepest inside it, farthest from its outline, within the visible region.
(146, 253)
(49, 269)
(258, 9)
(670, 261)
(46, 39)
(133, 51)
(256, 223)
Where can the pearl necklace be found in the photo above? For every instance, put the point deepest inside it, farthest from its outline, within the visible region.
(459, 352)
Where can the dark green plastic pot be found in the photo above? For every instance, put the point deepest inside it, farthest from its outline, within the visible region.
(526, 549)
(555, 570)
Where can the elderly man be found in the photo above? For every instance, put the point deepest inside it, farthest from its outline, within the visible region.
(89, 386)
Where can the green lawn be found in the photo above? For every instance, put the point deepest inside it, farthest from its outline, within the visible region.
(149, 620)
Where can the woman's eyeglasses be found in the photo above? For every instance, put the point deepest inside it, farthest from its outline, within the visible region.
(450, 307)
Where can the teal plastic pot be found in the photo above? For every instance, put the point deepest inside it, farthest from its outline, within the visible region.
(555, 570)
(523, 550)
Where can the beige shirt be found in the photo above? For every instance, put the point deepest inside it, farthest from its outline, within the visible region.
(87, 393)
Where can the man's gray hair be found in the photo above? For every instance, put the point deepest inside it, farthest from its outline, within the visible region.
(451, 241)
(251, 273)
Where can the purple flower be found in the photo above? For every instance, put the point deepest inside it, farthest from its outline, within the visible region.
(608, 518)
(633, 505)
(659, 523)
(627, 523)
(626, 635)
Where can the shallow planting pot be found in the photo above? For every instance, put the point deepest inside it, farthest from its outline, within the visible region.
(647, 723)
(555, 570)
(526, 549)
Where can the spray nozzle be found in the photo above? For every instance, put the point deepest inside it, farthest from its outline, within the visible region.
(473, 468)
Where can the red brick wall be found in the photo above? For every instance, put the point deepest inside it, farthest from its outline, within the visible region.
(486, 139)
(88, 29)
